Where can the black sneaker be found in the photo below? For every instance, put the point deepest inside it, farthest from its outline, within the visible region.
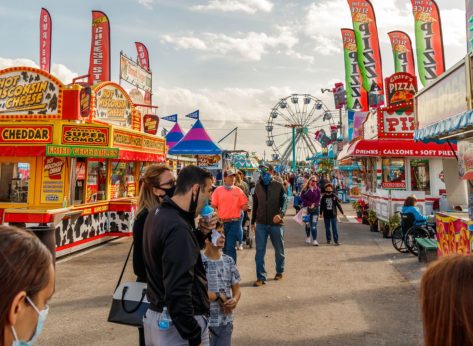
(337, 243)
(329, 241)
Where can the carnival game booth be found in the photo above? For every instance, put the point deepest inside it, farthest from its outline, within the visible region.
(444, 114)
(198, 144)
(177, 162)
(70, 157)
(395, 166)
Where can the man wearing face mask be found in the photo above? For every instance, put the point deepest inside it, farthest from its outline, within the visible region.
(269, 208)
(230, 200)
(175, 273)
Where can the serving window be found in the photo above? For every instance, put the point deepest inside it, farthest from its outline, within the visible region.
(420, 176)
(96, 180)
(394, 173)
(122, 180)
(14, 182)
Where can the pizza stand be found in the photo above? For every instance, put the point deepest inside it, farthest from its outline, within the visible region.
(70, 158)
(198, 144)
(444, 114)
(395, 166)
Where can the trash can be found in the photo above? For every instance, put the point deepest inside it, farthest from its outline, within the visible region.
(47, 236)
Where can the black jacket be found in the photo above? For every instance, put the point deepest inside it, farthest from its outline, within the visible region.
(329, 205)
(176, 275)
(138, 262)
(268, 201)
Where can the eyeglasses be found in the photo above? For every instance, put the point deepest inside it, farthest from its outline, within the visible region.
(313, 181)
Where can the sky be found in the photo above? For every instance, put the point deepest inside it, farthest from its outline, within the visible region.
(232, 59)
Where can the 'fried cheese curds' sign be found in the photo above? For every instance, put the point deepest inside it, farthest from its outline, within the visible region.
(367, 44)
(357, 98)
(429, 42)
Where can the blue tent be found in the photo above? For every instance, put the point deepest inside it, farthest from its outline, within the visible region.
(196, 142)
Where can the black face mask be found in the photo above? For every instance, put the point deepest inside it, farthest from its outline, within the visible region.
(193, 204)
(169, 192)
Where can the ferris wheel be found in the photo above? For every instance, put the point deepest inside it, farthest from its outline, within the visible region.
(292, 127)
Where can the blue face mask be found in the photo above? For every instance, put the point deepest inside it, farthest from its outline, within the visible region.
(266, 178)
(39, 326)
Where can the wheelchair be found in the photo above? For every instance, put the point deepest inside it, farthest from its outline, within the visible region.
(404, 236)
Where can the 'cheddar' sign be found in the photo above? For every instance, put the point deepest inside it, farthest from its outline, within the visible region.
(25, 134)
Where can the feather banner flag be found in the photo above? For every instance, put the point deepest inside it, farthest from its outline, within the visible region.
(357, 97)
(367, 44)
(402, 52)
(429, 41)
(45, 36)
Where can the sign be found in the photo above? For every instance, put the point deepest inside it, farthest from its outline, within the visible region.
(81, 151)
(465, 160)
(469, 24)
(127, 140)
(135, 74)
(446, 97)
(52, 186)
(399, 185)
(403, 54)
(85, 135)
(29, 92)
(150, 124)
(45, 31)
(84, 99)
(454, 236)
(400, 88)
(113, 105)
(209, 161)
(26, 134)
(171, 118)
(370, 126)
(339, 95)
(397, 124)
(399, 148)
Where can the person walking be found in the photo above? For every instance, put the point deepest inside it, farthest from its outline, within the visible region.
(177, 283)
(240, 182)
(269, 208)
(328, 210)
(230, 201)
(224, 288)
(157, 182)
(322, 182)
(27, 284)
(310, 196)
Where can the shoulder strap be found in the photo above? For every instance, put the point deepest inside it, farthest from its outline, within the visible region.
(124, 266)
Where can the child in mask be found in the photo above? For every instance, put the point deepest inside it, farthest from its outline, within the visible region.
(328, 209)
(223, 287)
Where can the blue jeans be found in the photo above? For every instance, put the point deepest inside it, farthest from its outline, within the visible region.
(240, 235)
(221, 335)
(276, 234)
(232, 234)
(311, 226)
(333, 222)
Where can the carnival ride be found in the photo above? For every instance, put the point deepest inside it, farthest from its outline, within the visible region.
(292, 127)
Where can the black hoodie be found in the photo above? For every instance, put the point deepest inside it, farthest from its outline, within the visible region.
(328, 206)
(176, 275)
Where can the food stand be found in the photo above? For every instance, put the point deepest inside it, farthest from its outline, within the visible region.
(395, 166)
(71, 157)
(444, 114)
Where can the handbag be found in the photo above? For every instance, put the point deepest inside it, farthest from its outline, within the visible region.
(129, 302)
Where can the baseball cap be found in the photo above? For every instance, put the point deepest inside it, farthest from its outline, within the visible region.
(267, 166)
(229, 172)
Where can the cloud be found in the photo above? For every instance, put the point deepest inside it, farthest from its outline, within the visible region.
(147, 3)
(248, 6)
(61, 72)
(251, 46)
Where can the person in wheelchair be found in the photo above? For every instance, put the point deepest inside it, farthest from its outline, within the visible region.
(410, 207)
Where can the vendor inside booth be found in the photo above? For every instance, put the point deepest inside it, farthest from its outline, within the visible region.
(71, 160)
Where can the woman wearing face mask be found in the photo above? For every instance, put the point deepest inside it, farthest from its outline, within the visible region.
(157, 182)
(27, 283)
(310, 196)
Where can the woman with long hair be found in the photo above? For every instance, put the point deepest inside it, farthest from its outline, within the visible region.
(310, 197)
(447, 302)
(158, 181)
(27, 279)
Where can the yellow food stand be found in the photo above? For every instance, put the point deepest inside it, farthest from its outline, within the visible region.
(70, 157)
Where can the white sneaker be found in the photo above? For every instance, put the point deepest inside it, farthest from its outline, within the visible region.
(315, 243)
(240, 247)
(307, 240)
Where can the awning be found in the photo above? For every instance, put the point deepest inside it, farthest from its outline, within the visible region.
(450, 126)
(396, 148)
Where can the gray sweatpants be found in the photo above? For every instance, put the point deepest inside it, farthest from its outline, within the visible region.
(170, 337)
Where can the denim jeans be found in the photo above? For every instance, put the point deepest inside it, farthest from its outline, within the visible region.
(276, 234)
(232, 234)
(311, 226)
(240, 235)
(333, 223)
(221, 335)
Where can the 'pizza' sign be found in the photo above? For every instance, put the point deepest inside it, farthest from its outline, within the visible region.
(400, 88)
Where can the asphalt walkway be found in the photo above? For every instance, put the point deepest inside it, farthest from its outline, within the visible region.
(360, 293)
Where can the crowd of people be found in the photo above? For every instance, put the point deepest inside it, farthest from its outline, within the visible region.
(189, 261)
